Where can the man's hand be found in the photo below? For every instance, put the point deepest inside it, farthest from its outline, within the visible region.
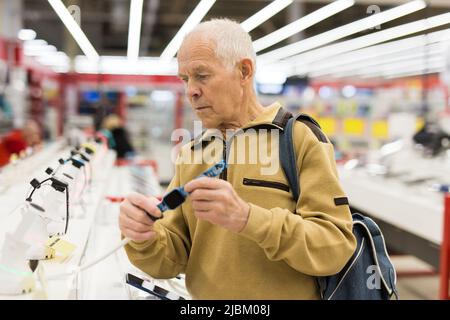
(215, 200)
(133, 221)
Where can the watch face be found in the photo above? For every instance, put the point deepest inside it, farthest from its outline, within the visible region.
(173, 199)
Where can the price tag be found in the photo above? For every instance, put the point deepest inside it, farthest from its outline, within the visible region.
(62, 247)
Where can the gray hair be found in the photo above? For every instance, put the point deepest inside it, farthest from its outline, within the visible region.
(232, 42)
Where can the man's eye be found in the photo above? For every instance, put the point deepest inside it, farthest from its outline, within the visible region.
(202, 76)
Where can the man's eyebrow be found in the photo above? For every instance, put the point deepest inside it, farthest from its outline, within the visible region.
(196, 69)
(200, 69)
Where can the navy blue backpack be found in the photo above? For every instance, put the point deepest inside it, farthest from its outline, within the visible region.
(369, 274)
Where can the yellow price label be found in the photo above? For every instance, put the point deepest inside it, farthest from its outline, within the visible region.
(354, 126)
(380, 129)
(62, 247)
(328, 125)
(420, 122)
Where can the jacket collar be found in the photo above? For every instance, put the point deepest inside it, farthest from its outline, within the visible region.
(273, 116)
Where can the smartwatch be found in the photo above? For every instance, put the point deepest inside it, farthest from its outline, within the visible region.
(177, 196)
(173, 199)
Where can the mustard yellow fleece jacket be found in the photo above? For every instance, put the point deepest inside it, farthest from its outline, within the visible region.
(283, 245)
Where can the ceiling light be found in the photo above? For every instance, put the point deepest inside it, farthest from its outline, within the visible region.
(74, 29)
(134, 29)
(268, 76)
(414, 73)
(325, 92)
(421, 53)
(377, 52)
(299, 63)
(38, 43)
(26, 34)
(265, 14)
(40, 50)
(196, 16)
(417, 65)
(301, 24)
(348, 91)
(55, 59)
(343, 31)
(121, 65)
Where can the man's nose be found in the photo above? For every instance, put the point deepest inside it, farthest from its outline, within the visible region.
(193, 91)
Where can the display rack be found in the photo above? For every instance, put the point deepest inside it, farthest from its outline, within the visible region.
(445, 253)
(93, 229)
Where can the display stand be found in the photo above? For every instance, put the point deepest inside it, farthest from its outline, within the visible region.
(445, 252)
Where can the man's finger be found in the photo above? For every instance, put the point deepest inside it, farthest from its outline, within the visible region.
(148, 204)
(205, 194)
(199, 205)
(138, 236)
(204, 183)
(128, 223)
(135, 213)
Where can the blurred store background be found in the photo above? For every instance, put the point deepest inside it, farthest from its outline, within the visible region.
(374, 73)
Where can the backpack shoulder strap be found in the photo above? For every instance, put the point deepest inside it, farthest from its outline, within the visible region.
(380, 254)
(288, 159)
(288, 162)
(287, 156)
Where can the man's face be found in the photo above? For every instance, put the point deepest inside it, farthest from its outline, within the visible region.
(214, 91)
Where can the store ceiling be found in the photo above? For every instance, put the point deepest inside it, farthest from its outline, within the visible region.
(105, 22)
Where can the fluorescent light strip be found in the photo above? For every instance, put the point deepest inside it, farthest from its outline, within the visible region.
(418, 64)
(423, 66)
(407, 72)
(39, 51)
(134, 29)
(387, 68)
(122, 65)
(394, 74)
(431, 51)
(301, 24)
(392, 46)
(26, 34)
(34, 43)
(365, 54)
(343, 31)
(368, 40)
(74, 29)
(264, 14)
(413, 73)
(57, 59)
(196, 16)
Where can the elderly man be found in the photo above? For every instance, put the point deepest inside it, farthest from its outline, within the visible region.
(241, 236)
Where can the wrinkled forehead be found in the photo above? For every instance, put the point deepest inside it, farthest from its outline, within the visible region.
(197, 47)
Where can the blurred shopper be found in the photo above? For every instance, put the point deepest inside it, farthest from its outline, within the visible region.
(433, 138)
(19, 139)
(121, 142)
(232, 239)
(102, 109)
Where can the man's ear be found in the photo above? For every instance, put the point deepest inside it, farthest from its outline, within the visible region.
(246, 70)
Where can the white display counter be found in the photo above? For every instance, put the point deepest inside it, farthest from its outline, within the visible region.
(93, 230)
(409, 212)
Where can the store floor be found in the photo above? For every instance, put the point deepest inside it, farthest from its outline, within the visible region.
(411, 283)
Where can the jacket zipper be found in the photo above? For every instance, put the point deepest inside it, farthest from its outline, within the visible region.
(263, 183)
